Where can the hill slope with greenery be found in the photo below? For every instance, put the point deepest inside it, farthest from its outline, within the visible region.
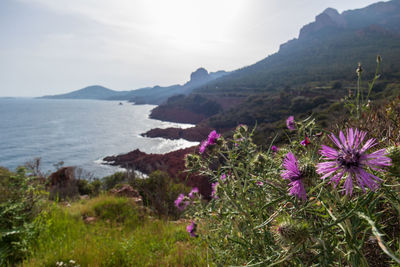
(327, 49)
(309, 74)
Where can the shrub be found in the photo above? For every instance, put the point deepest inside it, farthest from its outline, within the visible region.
(109, 208)
(159, 192)
(19, 205)
(109, 182)
(86, 187)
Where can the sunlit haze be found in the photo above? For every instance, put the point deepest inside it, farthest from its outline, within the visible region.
(57, 46)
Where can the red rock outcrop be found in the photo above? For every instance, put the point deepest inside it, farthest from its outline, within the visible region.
(62, 176)
(172, 163)
(62, 183)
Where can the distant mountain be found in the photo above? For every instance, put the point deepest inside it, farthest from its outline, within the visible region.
(327, 49)
(148, 95)
(90, 92)
(307, 75)
(159, 94)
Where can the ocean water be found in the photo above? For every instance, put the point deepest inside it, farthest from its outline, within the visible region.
(79, 132)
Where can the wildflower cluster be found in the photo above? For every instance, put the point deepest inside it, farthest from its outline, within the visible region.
(211, 140)
(284, 205)
(182, 202)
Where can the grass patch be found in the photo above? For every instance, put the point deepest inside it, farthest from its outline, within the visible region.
(110, 209)
(121, 236)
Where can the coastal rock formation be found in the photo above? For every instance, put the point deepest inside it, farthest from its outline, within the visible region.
(194, 134)
(176, 114)
(192, 109)
(62, 176)
(172, 163)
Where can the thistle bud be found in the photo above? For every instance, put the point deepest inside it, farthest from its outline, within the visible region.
(394, 154)
(290, 232)
(359, 69)
(220, 141)
(350, 93)
(242, 128)
(259, 160)
(308, 170)
(191, 160)
(241, 131)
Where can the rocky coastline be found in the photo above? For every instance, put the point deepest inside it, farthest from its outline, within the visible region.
(173, 162)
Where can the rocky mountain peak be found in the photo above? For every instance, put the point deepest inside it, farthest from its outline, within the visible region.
(331, 12)
(330, 17)
(199, 75)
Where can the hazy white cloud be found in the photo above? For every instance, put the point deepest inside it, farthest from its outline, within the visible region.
(54, 46)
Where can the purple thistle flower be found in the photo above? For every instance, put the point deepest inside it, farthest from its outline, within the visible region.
(203, 147)
(305, 142)
(191, 229)
(195, 190)
(237, 141)
(223, 177)
(274, 149)
(211, 140)
(351, 161)
(179, 203)
(259, 183)
(290, 123)
(294, 175)
(214, 190)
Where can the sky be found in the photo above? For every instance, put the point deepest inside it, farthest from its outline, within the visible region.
(57, 46)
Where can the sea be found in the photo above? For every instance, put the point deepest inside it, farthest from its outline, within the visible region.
(78, 133)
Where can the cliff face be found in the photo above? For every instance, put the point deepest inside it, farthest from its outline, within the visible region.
(383, 14)
(329, 18)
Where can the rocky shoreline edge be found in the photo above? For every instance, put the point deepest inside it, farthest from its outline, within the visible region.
(172, 162)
